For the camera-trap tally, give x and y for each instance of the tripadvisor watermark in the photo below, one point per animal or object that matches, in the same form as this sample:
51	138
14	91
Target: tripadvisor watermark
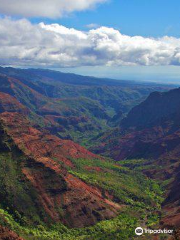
139	231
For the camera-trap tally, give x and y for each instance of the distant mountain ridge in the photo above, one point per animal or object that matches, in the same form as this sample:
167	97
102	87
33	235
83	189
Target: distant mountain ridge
158	108
72	106
71	78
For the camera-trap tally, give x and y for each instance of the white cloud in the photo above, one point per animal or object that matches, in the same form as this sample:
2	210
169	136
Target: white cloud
45	8
53	45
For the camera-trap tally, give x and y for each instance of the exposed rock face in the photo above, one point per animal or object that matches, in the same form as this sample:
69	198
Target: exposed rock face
61	195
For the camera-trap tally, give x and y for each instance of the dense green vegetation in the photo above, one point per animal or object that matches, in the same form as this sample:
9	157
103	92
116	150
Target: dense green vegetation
121	227
129	186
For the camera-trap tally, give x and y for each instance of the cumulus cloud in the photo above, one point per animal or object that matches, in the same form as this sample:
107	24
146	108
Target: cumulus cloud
52	45
45	8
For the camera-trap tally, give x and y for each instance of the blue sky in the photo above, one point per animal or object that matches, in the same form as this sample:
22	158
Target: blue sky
135	39
152	18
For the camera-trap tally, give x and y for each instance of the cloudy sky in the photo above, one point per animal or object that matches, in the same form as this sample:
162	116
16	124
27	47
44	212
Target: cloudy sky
108	38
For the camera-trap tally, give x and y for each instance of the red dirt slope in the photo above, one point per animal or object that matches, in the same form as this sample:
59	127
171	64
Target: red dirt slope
63	196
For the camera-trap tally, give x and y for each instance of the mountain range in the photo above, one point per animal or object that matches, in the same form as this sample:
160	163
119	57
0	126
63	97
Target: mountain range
86	158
